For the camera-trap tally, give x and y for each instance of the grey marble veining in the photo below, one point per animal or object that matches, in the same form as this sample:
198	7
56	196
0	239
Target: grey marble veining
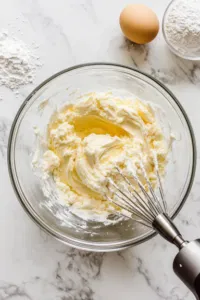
32	264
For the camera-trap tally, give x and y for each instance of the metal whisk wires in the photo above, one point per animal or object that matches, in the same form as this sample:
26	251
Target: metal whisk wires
138	199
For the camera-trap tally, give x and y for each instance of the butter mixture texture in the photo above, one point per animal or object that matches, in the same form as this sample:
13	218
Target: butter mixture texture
87	140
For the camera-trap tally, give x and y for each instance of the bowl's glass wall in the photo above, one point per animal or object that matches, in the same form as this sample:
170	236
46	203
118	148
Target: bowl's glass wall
67	87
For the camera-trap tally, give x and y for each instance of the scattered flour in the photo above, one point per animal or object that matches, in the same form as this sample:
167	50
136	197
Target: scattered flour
18	64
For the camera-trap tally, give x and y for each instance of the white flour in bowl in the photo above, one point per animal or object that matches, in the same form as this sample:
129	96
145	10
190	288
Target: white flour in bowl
182	26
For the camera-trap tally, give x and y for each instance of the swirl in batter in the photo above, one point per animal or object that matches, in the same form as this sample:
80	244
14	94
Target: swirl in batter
88	139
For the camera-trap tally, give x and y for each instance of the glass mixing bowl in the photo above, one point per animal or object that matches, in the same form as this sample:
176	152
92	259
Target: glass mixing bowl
188	52
67	85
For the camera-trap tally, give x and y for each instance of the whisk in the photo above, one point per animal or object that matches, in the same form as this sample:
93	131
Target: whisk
143	204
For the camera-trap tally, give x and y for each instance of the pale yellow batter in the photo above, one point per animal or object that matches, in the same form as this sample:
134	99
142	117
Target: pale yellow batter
88	139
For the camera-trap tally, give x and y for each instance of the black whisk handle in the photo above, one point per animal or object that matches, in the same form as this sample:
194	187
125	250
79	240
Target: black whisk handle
187	266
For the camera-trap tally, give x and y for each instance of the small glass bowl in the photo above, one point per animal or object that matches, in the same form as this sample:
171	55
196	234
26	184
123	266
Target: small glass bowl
69	84
189	55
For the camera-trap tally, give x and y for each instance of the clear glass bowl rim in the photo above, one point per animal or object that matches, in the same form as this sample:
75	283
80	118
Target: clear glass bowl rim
166	40
82	245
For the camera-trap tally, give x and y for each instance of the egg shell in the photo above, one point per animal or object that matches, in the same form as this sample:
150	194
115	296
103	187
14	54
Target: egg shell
139	23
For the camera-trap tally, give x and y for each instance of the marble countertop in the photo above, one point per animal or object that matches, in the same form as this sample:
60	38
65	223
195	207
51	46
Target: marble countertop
32	264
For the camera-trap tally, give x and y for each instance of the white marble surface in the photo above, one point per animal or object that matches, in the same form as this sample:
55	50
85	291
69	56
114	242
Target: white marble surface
34	265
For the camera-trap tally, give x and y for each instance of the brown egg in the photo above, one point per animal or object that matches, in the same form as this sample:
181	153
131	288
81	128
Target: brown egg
139	23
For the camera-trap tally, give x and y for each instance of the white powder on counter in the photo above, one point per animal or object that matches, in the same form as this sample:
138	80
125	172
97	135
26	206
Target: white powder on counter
182	26
18	64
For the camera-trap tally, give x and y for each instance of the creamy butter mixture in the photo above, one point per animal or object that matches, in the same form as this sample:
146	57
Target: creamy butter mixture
88	139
